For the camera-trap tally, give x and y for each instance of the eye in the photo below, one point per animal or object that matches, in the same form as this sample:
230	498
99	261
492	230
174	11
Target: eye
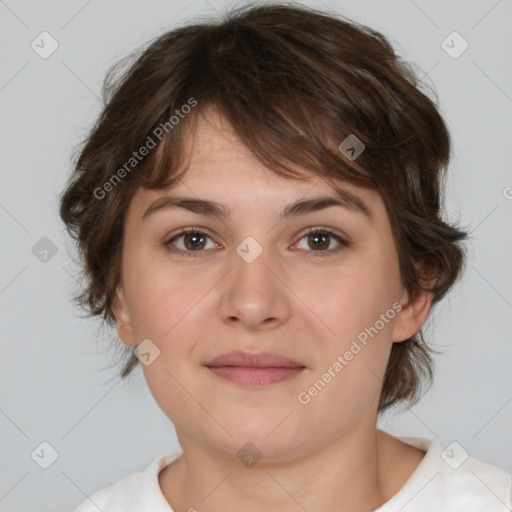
193	241
320	238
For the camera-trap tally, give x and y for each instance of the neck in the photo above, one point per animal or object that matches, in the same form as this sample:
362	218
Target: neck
357	472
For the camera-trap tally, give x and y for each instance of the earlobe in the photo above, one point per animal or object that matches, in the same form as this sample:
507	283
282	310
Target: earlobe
412	316
122	318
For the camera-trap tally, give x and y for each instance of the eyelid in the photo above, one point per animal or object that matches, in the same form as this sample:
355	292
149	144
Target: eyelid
327	229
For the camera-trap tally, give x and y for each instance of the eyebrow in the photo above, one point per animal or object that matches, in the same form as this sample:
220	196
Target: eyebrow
341	198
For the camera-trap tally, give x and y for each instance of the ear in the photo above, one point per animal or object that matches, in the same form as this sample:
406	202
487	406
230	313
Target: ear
415	309
122	317
413	314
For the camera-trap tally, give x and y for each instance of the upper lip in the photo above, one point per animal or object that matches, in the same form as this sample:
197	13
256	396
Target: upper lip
254	360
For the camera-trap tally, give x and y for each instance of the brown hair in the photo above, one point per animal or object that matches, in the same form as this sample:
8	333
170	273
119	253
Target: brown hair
294	83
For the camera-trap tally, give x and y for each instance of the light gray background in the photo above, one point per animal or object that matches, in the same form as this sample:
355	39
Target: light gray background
52	377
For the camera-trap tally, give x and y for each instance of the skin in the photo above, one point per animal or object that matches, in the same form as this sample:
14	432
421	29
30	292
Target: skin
327	455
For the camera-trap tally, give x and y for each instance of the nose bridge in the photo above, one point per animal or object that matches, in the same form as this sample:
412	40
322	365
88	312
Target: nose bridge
252	260
252	293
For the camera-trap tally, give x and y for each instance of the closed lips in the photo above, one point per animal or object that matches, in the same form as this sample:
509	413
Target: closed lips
254	360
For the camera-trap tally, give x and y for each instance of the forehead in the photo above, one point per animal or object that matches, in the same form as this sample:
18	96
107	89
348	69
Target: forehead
218	166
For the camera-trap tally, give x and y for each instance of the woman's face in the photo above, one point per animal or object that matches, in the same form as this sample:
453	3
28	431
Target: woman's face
257	281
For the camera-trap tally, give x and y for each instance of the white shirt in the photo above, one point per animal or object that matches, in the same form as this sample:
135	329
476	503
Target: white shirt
444	481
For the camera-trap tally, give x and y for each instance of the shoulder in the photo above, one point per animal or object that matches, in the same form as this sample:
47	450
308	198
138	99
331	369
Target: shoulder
139	490
450	479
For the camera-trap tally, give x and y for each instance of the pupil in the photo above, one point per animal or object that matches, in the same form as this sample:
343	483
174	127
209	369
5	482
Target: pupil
317	237
196	237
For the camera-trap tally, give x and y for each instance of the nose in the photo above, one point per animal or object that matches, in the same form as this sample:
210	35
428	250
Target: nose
254	293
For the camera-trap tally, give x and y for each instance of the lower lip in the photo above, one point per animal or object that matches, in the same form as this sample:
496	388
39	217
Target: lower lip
250	376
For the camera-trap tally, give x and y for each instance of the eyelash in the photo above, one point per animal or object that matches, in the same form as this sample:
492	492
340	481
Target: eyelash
316	230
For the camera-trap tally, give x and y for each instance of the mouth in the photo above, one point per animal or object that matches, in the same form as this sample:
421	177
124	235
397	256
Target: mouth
247	376
254	369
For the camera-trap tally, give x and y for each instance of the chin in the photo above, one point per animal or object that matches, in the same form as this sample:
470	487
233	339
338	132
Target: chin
268	438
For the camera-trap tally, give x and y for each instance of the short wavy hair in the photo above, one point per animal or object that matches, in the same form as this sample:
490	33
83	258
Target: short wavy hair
294	82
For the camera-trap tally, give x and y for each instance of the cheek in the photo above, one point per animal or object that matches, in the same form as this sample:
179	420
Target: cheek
160	295
350	365
351	298
166	312
356	303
